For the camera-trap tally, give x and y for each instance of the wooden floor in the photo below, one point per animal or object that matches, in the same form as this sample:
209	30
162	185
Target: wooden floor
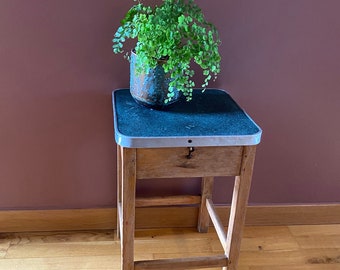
263	248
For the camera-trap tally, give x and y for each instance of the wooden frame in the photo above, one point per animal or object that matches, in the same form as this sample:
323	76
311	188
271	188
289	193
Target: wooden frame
142	163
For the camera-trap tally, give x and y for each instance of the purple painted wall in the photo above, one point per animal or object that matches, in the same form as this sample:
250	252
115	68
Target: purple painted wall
281	62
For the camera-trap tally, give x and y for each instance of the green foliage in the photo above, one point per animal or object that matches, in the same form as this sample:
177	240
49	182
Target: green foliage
176	31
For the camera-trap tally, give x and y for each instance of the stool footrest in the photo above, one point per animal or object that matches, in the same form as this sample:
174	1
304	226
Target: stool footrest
168	200
217	223
183	263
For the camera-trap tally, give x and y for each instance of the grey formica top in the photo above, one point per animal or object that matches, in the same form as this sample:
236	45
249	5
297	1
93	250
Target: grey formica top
212	118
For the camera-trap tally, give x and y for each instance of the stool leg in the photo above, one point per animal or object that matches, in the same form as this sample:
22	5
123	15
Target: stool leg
128	193
119	187
203	215
238	207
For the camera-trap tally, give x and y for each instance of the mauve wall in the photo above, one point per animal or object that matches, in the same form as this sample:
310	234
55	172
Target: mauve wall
281	62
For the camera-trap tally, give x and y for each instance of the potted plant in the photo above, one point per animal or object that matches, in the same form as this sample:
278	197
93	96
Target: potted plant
170	37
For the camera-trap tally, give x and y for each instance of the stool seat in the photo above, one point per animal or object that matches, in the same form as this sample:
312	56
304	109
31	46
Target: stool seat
212	118
210	136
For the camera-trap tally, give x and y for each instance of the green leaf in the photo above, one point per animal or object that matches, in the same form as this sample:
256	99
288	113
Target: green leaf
177	29
181	20
205	72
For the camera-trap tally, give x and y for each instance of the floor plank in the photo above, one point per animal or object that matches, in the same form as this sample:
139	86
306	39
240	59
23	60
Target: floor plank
315	247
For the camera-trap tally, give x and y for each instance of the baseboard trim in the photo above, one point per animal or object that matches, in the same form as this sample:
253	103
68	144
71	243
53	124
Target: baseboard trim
105	218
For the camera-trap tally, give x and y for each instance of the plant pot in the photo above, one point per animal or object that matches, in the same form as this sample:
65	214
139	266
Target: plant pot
151	89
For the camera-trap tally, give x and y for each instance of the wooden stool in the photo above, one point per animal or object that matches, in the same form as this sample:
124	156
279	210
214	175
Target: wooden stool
211	136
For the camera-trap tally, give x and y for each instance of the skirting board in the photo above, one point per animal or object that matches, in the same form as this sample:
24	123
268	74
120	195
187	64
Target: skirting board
105	218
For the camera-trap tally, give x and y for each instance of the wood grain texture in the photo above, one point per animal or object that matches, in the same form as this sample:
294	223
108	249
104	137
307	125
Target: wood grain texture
307	247
218	226
119	188
207	185
168	200
183	263
238	208
162	217
57	220
203	162
128	195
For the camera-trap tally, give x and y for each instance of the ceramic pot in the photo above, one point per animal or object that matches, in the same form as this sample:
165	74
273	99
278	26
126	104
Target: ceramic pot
150	89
